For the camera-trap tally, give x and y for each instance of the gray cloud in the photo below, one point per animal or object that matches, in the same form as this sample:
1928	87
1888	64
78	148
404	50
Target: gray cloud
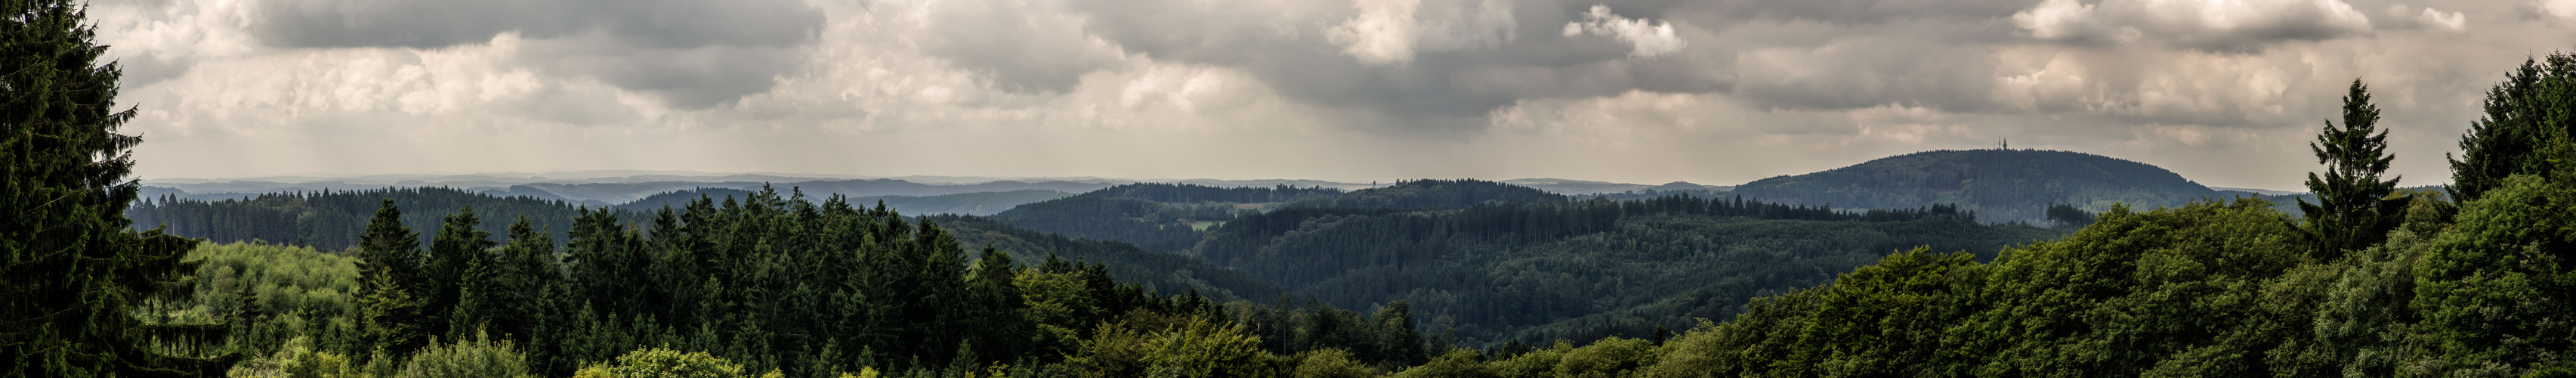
694	54
1021	45
429	24
1383	89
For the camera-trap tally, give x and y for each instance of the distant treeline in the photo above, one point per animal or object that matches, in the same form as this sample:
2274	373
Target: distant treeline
330	220
1194	193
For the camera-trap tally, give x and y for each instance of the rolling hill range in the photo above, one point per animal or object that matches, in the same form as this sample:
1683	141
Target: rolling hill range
1491	262
1484	261
1999	185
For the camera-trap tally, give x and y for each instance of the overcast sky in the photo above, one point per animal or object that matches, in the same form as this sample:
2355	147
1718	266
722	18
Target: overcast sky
2226	92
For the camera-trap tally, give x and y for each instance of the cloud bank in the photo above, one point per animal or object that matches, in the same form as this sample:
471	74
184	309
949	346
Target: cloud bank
1717	92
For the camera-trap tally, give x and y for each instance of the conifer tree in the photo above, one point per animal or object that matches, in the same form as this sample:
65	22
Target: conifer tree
2525	114
2353	209
389	257
71	275
453	258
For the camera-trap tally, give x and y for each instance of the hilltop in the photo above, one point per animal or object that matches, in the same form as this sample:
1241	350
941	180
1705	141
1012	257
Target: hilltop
1999	185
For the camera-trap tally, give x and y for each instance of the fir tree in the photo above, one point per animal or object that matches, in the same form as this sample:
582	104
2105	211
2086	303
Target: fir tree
2353	209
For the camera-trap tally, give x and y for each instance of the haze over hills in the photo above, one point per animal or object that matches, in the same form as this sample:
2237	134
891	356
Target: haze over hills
616	187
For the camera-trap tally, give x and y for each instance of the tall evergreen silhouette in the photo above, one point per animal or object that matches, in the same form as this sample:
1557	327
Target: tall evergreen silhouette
2353	209
72	277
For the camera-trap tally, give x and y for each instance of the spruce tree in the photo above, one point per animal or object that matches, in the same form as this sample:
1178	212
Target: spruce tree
451	268
2353	209
388	259
72	276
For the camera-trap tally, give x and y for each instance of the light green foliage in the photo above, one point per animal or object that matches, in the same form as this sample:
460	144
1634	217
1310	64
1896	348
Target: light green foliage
273	293
1195	347
1058	299
666	363
481	357
1330	363
1458	363
1611	357
1536	363
297	359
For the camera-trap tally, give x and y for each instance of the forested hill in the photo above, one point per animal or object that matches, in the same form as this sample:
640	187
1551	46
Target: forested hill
1999	185
977	203
1170	217
1196	194
1158	217
1433	194
1580	270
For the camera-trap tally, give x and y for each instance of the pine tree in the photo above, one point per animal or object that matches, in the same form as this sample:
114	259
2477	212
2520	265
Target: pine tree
71	275
2353	209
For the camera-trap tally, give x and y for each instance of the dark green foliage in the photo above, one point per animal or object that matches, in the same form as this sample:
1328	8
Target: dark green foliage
2530	110
457	262
72	277
1159	272
1197	194
1579	270
1433	194
1999	185
1153	225
1159	217
389	272
975	203
2354	209
2065	216
2491	290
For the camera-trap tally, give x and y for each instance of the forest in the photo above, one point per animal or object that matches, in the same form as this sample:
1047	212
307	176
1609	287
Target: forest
1427	278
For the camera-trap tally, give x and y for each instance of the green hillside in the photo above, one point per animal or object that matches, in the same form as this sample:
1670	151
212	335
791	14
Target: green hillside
1999	185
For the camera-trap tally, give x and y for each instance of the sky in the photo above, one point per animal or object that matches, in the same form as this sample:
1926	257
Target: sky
2225	92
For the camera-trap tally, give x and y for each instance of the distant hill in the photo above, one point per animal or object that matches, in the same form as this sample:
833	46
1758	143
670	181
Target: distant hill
1433	194
1158	217
977	203
1999	185
1564	186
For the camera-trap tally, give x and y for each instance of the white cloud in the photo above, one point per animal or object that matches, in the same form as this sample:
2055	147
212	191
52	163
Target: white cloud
2565	9
2453	21
2402	16
2217	25
1383	33
1645	38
